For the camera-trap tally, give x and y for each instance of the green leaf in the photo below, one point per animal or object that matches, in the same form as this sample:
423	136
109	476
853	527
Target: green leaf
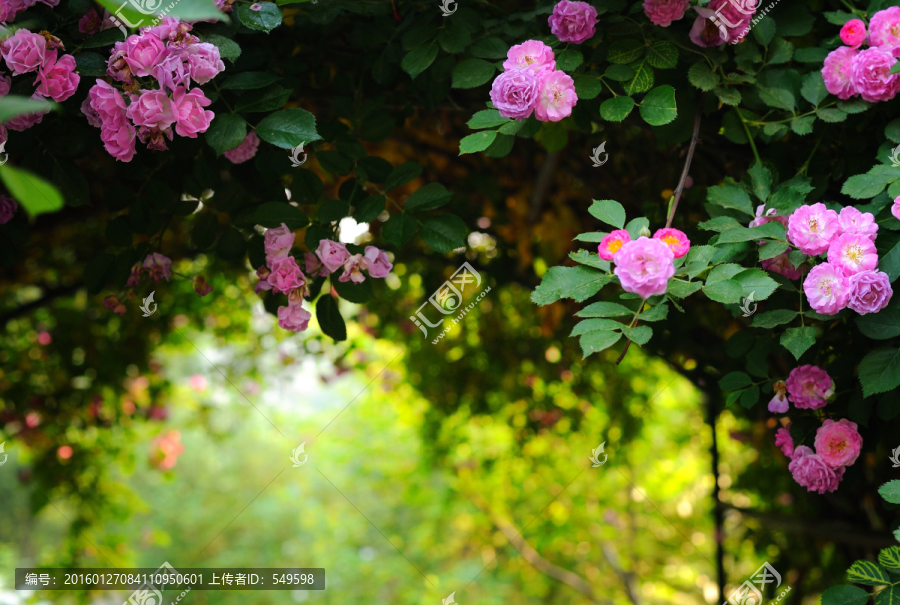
267	18
661	55
487	118
429	197
608	211
399	229
750	396
490	48
728	96
591	259
420	58
853	105
329	318
889	558
273	214
619	73
780	98
596	325
355	293
734	381
657	313
369	209
288	128
729	196
813	89
725	291
879	371
444	233
552	135
107	37
35	194
761	179
578	283
569	60
605	309
333	210
640	335
636	225
866	572
642	81
471	73
264	99
249	80
746	234
228	48
756	282
658	107
97	272
892	130
227	131
501	146
625	51
845	594
880	326
616	109
454	37
588	87
403	174
334	162
701	76
780	51
231	246
720	224
594	342
764	31
15	105
889	596
831	115
478	141
803	126
90	64
770	319
798	340
870	184
890	491
683	289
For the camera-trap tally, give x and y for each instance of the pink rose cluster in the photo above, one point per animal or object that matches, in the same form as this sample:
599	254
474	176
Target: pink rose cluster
850	71
10	9
282	274
664	12
530	83
573	22
837	443
722	21
25	52
645	265
175	59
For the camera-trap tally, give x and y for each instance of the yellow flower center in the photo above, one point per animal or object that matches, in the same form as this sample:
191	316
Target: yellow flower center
826	290
854	253
614	245
529	60
670	240
814	225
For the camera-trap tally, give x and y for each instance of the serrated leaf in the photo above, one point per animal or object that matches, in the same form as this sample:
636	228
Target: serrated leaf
798	340
761	179
728	96
866	572
831	115
444	233
803	126
729	196
890	491
596	325
880	326
608	211
487	118
625	51
642	81
701	76
399	229
471	73
429	197
734	381
329	318
420	58
845	594
605	309
616	109
640	335
879	371
594	342
889	558
813	88
658	107
403	174
578	283
770	319
657	313
662	55
682	289
725	291
476	142
780	98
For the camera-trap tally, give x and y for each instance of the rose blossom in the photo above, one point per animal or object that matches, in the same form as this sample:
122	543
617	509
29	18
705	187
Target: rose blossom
853	33
377	262
764	216
852	253
173	71
531	54
895	208
871	75
557	97
809	387
573	22
191	117
870	291
676	240
204	62
10	8
883	28
293	317
332	254
262	285
8	207
90	23
245	151
663	12
644	266
107	101
515	92
23	51
314	267
116	67
27	120
810	471
612	243
119	140
143	52
157	266
837	71
811	228
852	220
782	265
5	85
784	441
58	80
779	403
113	304
201	287
278	243
827	289
729	15
153	108
838	443
353	269
172	32
286	276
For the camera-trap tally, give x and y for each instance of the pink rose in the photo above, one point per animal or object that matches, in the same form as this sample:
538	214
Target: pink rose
353	269
116	67
286	276
171	31
852	253
154	137
8	207
612	243
144	52
852	220
204	62
895	208
5	85
884	28
201	287
245	151
314	266
153	108
811	228
838	443
722	21
573	22
853	33
90	23
119	140
107	102
58	80
278	243
827	289
663	12
782	265
293	317
263	284
764	216
377	262
779	403
676	240
644	266
531	54
809	387
10	8
556	98
332	254
173	71
190	115
157	267
26	121
870	291
871	75
135	277
23	51
810	471
515	92
837	72
784	441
